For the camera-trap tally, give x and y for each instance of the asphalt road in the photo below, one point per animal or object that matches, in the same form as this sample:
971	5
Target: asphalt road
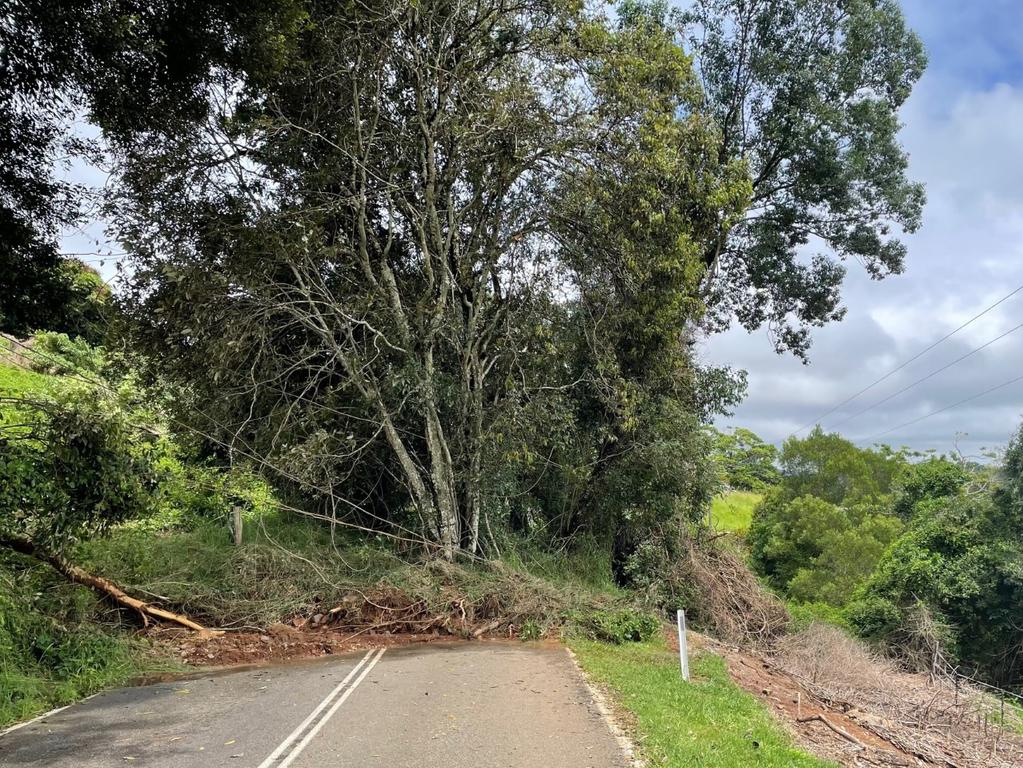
481	705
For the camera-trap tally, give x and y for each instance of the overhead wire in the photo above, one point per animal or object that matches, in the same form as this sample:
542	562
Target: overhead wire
915	357
956	404
930	375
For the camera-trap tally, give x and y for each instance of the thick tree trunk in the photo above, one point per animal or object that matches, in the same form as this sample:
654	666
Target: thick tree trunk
105	587
443	479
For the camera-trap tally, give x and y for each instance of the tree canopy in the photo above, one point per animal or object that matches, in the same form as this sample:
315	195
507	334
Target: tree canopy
440	267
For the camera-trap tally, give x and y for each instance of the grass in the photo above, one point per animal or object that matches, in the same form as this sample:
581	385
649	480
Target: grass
708	722
733	511
18	382
59	643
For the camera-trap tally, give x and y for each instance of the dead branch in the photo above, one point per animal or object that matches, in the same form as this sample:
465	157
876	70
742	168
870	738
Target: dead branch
840	731
99	584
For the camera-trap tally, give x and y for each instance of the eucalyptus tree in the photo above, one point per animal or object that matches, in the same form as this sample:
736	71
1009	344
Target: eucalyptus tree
807	93
359	256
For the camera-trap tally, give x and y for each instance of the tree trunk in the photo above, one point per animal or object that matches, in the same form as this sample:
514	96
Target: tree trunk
105	587
443	479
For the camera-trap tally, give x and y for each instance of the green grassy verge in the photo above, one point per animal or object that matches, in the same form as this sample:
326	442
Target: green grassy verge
733	511
58	643
708	722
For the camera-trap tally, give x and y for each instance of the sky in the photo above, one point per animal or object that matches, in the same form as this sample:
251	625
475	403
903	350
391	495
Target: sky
963	129
964	133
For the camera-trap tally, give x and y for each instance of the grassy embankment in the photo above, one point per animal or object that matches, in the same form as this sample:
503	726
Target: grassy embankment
707	722
57	641
733	511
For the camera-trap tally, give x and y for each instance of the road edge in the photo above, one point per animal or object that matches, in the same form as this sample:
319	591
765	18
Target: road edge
606	711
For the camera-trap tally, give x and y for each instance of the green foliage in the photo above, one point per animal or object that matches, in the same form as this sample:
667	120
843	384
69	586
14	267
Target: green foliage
746	462
620	626
954	579
831	468
935	478
816	551
59	354
733	511
805	614
961	561
78	467
807	94
706	723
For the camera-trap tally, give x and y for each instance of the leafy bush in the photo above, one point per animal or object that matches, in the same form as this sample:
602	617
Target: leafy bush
79	466
959	562
935	478
59	354
623	625
816	551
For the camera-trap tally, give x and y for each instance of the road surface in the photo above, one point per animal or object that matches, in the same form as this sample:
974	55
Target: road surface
481	705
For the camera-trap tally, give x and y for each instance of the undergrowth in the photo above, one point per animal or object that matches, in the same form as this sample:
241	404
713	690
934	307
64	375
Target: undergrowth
708	722
288	567
58	643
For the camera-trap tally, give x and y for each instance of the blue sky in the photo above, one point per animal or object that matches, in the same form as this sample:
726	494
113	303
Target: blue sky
964	132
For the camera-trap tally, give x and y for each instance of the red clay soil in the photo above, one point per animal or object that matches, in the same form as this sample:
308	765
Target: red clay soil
278	643
801	712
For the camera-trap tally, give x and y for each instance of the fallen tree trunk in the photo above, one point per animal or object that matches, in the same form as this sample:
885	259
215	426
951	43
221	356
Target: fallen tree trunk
105	587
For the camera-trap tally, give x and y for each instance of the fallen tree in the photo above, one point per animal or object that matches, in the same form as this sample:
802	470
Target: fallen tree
105	587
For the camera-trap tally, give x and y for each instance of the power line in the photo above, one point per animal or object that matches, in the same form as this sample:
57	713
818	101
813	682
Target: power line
917	356
942	410
930	375
252	454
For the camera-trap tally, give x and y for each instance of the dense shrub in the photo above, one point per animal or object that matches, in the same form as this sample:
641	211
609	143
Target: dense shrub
622	625
76	467
58	353
935	478
961	561
816	551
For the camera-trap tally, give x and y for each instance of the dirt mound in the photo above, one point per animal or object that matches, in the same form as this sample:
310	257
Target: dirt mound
444	606
279	643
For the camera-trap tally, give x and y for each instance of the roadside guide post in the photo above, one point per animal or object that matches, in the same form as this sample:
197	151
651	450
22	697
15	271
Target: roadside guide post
683	651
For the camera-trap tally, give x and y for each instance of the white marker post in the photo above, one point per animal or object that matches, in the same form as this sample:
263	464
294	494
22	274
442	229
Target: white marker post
683	650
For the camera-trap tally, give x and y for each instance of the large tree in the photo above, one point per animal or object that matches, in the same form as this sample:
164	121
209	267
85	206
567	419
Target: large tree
807	93
361	252
397	251
125	64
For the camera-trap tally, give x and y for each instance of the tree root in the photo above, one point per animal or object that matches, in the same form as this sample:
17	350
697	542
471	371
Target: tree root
99	584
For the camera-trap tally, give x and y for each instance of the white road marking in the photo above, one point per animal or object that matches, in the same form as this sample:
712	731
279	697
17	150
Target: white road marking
330	713
312	716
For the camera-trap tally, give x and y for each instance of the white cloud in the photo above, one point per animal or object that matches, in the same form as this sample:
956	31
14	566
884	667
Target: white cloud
967	146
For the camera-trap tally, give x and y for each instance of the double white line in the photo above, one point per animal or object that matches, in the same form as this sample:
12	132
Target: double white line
312	724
